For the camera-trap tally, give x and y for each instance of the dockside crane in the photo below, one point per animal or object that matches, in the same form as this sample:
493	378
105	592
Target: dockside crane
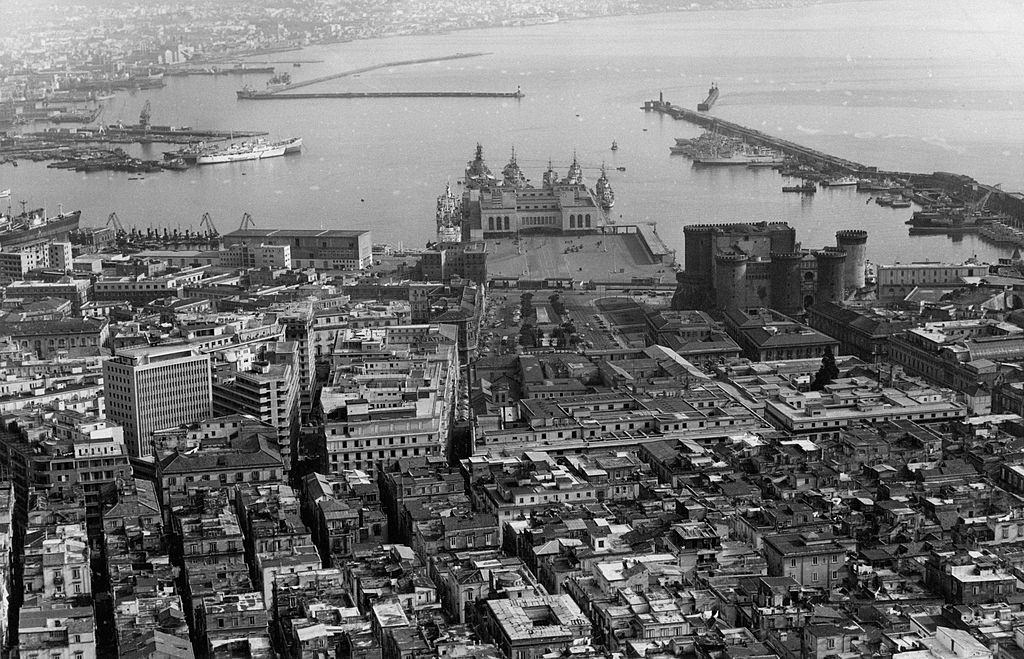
207	223
247	222
144	116
980	206
114	222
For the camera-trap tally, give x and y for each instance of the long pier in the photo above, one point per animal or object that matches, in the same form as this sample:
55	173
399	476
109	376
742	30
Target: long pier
281	97
753	136
956	185
374	67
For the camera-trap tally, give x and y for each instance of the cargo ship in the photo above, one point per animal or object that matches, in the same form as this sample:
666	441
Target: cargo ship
257	150
33	225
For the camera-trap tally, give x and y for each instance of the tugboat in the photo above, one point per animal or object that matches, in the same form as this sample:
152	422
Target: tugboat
808	187
175	164
603	189
615	145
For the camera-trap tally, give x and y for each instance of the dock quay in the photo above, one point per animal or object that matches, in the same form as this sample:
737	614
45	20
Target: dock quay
79	143
263	96
756	137
615	257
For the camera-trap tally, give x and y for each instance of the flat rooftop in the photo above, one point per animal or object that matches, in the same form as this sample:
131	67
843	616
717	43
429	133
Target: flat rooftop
299	233
593	257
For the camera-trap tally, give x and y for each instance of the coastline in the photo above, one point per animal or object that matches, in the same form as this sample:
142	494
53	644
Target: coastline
750	5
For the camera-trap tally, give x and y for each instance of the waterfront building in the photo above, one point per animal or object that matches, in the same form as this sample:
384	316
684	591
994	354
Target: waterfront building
17	261
320	249
897	280
493	208
245	255
152	388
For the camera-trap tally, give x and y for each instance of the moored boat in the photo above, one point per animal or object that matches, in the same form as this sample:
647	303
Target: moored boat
807	187
257	150
839	181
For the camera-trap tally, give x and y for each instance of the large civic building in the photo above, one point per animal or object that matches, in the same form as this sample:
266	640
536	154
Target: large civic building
325	249
492	208
155	388
762	265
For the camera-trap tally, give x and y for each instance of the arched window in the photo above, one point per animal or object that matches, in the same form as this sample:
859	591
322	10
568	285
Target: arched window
572	221
506	223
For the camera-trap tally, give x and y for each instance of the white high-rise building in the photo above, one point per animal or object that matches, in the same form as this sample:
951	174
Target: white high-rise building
154	388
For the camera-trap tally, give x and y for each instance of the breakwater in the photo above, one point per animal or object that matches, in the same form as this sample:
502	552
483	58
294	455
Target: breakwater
273	96
366	69
752	136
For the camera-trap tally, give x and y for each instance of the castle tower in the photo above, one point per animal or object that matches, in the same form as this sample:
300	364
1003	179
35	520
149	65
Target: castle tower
784	276
698	250
831	274
730	283
783	237
855	243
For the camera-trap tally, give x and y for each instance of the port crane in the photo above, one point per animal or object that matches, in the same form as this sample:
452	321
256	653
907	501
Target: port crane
980	206
114	222
144	116
207	222
246	223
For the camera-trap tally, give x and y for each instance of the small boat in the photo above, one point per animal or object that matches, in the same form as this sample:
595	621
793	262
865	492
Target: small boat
615	145
839	181
900	203
621	168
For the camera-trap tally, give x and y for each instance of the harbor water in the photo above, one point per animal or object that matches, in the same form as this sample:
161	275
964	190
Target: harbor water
920	86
